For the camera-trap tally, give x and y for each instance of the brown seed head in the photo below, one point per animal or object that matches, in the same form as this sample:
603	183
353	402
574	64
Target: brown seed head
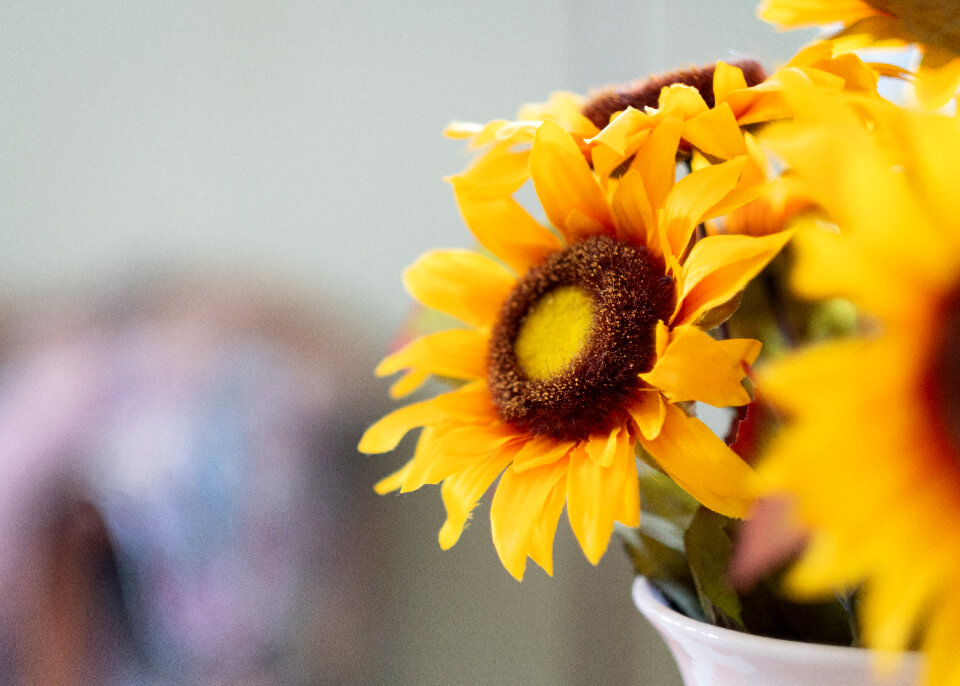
640	94
631	293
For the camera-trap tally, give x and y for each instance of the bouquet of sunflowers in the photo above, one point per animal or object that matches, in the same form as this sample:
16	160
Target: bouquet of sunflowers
784	245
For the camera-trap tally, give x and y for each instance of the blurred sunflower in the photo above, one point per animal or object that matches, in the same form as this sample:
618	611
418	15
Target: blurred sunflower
932	26
872	449
587	340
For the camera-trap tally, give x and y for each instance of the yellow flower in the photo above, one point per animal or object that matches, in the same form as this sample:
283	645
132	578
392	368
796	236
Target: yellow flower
587	340
608	141
872	449
716	105
770	213
932	25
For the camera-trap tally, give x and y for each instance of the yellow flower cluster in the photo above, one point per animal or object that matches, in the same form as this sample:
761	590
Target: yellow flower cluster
585	337
872	453
584	341
932	26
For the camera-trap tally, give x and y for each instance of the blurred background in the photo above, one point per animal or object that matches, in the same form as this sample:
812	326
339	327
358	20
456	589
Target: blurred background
205	207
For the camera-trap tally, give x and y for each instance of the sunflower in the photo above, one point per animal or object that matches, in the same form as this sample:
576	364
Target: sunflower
719	105
583	340
871	452
931	25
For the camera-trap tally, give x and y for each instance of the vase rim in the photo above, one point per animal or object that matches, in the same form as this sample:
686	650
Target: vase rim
652	605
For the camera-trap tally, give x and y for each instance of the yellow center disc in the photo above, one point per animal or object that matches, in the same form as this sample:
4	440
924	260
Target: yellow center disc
554	332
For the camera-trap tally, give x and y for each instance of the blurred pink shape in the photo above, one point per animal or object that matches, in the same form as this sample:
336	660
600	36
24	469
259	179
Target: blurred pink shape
767	540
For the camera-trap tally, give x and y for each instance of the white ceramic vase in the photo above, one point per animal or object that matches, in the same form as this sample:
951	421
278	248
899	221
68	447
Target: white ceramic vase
712	656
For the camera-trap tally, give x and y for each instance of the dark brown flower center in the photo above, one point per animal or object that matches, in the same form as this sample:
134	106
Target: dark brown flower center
944	380
570	388
646	93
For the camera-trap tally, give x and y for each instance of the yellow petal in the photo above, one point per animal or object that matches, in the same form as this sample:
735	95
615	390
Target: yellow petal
896	597
797	13
864	196
568	191
452	450
579	226
828	265
937	80
817	51
390	483
472	402
719	267
738	197
680	100
506	229
693	196
563	107
940	642
702	464
461	491
890	71
541	450
457	354
498	172
628	510
656	160
386	433
517	509
541	546
856	75
824	568
727	79
408	383
602	447
519	133
648	413
480	134
605	161
744	350
593	497
758	104
716	133
609	155
632	212
797	381
619	133
463	129
697	367
461	283
394	481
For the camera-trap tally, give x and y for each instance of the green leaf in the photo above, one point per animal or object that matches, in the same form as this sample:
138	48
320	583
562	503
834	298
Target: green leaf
661	496
656	547
709	549
653	559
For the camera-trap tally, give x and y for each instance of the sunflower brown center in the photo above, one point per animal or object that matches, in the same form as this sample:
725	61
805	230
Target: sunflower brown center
573	336
646	93
945	373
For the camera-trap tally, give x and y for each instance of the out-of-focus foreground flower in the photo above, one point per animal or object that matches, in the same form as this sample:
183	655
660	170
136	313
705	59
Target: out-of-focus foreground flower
933	27
872	448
